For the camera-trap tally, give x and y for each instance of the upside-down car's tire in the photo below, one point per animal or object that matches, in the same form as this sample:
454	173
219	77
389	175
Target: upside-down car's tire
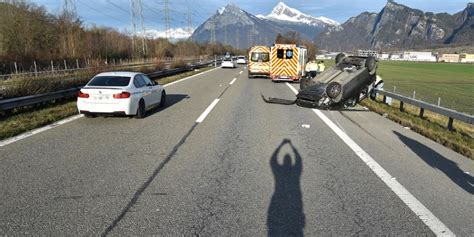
141	111
371	65
340	57
333	89
163	99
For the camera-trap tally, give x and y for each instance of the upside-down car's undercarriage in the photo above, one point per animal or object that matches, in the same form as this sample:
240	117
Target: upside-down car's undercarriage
343	85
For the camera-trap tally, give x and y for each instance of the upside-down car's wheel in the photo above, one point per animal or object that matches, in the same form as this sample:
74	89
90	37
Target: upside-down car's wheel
340	57
371	65
333	90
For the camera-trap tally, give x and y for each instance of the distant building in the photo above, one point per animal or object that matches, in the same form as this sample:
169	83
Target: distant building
368	53
418	56
396	57
466	58
321	57
449	58
384	56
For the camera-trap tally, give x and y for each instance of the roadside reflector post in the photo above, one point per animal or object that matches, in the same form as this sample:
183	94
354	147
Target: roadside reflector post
450	124
65	65
401	106
16	67
215	61
36	69
439	101
414	94
52	66
422	112
77	63
394	89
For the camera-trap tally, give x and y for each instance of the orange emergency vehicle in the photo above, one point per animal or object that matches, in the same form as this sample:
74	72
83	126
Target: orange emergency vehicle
287	62
259	61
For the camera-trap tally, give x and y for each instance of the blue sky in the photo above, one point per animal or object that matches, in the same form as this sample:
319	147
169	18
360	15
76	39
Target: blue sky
115	13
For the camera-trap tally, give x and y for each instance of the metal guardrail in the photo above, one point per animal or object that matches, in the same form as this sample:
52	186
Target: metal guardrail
61	72
9	104
451	114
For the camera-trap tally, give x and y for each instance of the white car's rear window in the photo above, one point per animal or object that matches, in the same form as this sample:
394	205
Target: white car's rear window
109	81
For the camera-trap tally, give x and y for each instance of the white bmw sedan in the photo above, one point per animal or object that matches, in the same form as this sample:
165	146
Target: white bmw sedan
228	63
120	93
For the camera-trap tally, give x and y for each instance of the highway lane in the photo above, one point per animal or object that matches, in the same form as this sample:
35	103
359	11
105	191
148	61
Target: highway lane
440	178
81	174
215	178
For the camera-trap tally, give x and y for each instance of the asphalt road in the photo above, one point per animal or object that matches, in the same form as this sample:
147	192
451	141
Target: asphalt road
247	168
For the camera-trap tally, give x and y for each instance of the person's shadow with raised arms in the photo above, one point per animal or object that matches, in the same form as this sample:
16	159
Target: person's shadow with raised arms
285	213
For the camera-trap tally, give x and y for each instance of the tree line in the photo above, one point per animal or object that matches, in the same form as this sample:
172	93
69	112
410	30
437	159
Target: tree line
28	33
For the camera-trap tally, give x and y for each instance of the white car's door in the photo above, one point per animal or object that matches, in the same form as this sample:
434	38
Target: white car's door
155	90
143	90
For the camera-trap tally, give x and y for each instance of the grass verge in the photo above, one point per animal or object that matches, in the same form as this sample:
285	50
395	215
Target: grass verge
461	140
22	120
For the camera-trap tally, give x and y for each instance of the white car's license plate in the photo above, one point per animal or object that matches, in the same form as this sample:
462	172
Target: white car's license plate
101	97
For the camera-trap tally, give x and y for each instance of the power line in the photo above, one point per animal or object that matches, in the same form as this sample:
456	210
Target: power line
140	6
167	18
190	22
102	12
117	6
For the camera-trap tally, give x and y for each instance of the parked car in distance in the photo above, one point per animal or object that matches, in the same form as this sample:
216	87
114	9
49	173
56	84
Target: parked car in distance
241	60
120	93
228	63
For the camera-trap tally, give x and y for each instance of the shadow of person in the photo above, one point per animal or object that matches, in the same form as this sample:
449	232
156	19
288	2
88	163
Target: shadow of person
285	213
435	160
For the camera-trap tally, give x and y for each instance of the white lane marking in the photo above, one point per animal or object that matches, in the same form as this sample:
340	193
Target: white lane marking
232	82
38	130
207	111
70	119
187	78
241	72
416	206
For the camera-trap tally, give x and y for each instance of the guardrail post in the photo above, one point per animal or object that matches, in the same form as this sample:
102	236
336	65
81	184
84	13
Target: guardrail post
422	112
450	124
215	61
36	69
401	106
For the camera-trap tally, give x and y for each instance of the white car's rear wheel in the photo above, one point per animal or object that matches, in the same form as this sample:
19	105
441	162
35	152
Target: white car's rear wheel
141	111
163	99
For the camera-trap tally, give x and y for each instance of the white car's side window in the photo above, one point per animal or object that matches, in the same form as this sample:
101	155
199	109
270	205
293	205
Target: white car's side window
138	82
147	80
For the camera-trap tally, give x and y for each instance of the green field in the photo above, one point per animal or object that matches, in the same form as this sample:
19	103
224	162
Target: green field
453	83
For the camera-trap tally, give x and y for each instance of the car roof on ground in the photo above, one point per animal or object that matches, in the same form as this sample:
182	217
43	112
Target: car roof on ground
119	73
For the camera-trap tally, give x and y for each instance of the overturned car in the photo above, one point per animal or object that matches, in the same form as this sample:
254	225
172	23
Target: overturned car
343	85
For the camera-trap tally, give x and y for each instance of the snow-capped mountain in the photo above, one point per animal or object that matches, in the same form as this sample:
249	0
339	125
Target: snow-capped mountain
241	29
174	34
282	12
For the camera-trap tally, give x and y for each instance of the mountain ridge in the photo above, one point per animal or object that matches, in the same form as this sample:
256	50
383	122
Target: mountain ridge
249	29
399	26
